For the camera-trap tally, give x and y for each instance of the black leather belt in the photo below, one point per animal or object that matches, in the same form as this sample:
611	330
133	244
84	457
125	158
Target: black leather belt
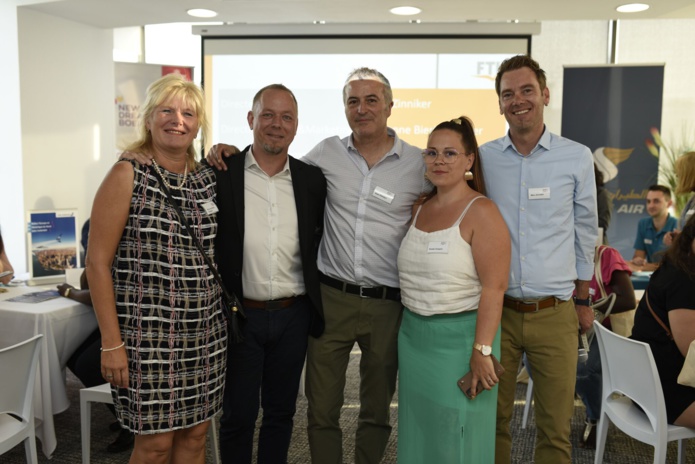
529	306
270	305
380	293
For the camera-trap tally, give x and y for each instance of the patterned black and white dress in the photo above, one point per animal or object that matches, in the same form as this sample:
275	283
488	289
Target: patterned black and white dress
169	307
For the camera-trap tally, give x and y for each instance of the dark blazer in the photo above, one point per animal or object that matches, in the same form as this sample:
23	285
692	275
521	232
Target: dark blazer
309	187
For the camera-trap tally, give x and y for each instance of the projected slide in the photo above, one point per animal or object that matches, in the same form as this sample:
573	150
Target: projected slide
427	89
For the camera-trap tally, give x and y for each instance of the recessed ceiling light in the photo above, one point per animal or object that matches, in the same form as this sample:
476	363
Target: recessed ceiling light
405	10
632	8
201	13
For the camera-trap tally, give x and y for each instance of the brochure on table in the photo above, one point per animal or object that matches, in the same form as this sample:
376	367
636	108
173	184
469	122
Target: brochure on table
52	245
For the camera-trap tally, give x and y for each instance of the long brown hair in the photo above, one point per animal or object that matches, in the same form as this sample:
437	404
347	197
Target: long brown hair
464	127
680	253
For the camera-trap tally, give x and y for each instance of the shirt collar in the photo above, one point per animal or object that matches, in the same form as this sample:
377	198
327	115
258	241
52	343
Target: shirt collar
544	142
397	148
251	163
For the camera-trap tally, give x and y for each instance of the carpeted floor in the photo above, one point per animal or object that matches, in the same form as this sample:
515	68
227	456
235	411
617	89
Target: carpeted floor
620	448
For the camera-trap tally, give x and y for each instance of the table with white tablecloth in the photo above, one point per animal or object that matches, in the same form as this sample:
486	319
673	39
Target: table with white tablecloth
65	324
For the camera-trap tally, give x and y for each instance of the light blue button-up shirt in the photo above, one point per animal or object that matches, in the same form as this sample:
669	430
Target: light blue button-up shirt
548	200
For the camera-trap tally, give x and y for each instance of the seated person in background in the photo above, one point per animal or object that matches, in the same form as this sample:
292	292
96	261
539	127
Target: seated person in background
670	297
651	230
85	363
5	265
611	275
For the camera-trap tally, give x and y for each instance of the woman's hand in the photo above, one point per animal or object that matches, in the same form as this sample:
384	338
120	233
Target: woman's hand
114	367
141	158
483	372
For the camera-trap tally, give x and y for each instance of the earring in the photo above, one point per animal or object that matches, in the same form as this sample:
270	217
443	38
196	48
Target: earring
468	175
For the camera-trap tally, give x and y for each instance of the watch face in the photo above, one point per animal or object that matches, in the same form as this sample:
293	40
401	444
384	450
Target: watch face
486	350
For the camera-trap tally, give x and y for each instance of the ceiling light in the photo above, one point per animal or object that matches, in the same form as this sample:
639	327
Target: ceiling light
201	13
632	8
405	10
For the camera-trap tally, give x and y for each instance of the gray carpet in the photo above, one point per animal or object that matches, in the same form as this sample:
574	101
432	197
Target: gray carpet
620	448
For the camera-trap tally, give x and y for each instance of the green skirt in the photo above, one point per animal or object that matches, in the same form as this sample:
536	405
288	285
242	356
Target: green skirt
437	423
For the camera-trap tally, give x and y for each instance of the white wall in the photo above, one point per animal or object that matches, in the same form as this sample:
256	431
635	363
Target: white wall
671	42
67	98
11	192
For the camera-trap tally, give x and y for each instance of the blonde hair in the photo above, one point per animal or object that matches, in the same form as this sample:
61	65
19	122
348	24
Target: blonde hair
685	172
166	88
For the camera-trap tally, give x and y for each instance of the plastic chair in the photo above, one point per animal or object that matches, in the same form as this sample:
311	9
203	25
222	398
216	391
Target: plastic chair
529	400
16	400
634	381
102	394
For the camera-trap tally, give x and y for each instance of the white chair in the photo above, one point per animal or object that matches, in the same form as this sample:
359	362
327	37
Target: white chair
16	400
529	400
630	375
102	394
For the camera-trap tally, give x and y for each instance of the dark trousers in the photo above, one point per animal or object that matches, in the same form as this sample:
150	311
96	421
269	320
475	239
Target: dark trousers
85	363
264	370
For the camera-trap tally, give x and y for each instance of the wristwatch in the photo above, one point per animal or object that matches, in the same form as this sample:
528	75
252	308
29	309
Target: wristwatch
582	302
486	350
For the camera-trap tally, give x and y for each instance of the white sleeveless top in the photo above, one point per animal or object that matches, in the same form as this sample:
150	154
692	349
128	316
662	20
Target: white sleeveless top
436	270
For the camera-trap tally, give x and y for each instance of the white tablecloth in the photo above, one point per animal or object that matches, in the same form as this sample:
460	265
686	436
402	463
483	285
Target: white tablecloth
65	324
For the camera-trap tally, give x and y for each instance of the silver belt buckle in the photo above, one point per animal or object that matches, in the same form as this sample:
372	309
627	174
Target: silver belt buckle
532	303
361	295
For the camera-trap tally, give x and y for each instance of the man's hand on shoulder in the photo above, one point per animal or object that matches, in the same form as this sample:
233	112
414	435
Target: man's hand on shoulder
218	152
141	158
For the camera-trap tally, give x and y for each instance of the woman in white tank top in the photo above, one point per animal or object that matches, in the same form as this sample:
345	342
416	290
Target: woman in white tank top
453	266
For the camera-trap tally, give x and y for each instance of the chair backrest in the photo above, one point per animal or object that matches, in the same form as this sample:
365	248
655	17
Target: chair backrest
629	368
18	375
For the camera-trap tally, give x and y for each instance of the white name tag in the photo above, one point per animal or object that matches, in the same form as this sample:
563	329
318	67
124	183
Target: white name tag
541	193
210	207
438	247
648	241
384	195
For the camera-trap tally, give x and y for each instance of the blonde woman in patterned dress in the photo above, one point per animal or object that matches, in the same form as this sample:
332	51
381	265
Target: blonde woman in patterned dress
164	337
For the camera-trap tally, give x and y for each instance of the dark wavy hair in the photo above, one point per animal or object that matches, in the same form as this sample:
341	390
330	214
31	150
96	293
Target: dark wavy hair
680	253
464	127
2	245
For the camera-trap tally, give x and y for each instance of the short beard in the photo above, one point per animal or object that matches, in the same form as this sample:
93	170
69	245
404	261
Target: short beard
273	150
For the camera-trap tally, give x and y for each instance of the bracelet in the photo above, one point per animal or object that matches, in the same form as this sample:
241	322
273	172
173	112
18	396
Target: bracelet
112	349
67	293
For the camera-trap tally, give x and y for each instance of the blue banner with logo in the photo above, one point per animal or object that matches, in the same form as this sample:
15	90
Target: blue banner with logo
612	110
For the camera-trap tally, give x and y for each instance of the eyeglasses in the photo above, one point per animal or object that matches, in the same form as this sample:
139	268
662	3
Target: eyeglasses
448	156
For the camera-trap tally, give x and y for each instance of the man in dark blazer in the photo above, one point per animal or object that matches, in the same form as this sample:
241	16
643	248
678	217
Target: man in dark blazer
270	221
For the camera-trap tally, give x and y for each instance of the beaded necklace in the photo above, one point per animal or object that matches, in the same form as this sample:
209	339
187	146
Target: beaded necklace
166	182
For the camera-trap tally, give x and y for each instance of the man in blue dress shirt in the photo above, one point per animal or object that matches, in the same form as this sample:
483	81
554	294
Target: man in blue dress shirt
545	189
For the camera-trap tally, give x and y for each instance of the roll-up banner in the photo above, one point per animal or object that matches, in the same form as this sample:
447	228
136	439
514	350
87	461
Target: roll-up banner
612	109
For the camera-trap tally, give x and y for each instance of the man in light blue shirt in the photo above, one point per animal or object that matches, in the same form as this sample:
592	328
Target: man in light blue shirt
545	189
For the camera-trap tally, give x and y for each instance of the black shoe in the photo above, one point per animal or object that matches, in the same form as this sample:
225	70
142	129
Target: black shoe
115	426
589	436
123	442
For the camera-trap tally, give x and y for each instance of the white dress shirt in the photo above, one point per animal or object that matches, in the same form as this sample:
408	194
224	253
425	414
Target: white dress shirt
272	263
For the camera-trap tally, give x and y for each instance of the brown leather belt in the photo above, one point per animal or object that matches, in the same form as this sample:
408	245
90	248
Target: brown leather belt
529	306
271	305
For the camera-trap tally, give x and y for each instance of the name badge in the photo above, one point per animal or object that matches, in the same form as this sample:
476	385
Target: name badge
438	247
384	195
540	193
648	241
210	207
